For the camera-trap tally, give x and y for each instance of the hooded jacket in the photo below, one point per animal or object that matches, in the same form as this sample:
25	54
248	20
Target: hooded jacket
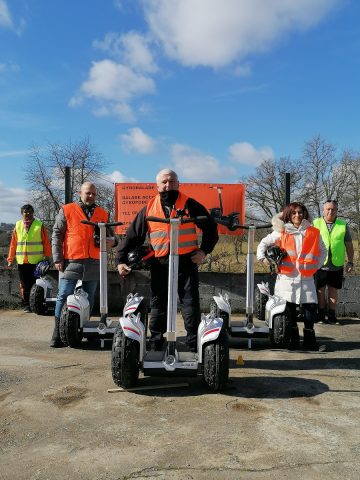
292	286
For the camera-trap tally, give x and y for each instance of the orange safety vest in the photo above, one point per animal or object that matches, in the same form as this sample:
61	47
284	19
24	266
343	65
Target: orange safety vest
79	238
309	256
160	232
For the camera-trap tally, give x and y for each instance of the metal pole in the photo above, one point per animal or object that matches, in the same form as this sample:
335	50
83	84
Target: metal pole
287	189
68	196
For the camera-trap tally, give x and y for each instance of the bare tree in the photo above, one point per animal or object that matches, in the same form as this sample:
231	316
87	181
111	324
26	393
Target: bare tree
45	174
350	204
323	176
265	189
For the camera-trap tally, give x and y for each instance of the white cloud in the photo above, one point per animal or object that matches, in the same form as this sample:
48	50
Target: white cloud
11	200
131	49
14	153
115	82
243	70
113	86
216	33
5	16
9	67
121	110
137	141
246	154
6	20
195	166
117	177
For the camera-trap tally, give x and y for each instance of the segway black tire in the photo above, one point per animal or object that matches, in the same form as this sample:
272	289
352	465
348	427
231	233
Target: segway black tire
280	334
216	362
36	300
70	331
124	360
260	303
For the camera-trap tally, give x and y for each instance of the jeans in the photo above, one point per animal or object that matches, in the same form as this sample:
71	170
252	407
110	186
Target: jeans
67	287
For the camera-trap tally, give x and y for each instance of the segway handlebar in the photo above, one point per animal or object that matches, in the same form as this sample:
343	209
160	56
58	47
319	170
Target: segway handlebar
255	227
201	218
95	224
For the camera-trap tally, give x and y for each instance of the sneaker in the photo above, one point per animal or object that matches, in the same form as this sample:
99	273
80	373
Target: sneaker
27	309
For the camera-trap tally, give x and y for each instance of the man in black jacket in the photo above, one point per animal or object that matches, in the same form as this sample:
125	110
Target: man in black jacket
169	199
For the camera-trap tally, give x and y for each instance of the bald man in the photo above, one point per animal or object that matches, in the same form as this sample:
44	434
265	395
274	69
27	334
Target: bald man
76	251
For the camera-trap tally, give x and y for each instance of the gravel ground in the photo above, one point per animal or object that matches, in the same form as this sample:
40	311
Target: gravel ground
284	415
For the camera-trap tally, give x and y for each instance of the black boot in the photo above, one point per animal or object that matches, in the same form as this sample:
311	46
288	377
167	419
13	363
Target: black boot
332	317
294	339
310	342
55	339
320	318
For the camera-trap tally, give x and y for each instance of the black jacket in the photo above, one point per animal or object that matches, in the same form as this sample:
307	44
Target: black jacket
136	233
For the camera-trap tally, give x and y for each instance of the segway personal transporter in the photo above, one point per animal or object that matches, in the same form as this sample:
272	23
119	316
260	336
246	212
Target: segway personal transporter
75	323
129	352
276	325
41	293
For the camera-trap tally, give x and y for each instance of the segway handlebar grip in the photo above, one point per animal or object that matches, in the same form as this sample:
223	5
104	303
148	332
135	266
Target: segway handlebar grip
158	219
257	227
94	224
183	220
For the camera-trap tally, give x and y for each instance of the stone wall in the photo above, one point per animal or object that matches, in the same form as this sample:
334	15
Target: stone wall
210	284
232	283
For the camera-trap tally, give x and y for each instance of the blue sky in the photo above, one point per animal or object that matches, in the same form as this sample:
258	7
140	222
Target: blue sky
207	87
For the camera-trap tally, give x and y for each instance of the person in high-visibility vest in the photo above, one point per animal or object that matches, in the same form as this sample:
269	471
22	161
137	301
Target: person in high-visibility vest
305	254
30	245
76	250
164	205
337	238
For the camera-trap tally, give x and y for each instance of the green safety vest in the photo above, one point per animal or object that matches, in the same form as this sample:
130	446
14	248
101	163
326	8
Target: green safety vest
29	243
333	240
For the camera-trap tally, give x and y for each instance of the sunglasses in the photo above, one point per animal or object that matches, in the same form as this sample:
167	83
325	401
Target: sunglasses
330	200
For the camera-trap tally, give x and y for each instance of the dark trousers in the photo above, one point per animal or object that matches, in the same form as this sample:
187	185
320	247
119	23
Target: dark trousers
188	291
27	280
309	311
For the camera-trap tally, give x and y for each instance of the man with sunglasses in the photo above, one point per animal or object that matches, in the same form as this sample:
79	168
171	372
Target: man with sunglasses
337	238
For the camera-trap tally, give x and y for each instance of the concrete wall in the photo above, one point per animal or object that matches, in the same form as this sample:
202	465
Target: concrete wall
232	283
210	284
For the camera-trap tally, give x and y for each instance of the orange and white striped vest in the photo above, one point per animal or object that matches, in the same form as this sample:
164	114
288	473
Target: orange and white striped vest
160	232
309	256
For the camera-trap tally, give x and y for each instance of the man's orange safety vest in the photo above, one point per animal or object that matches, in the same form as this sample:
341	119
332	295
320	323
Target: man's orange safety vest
309	256
160	232
79	238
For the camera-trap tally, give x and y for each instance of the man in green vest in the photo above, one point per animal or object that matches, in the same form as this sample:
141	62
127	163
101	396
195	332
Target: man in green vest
337	238
30	245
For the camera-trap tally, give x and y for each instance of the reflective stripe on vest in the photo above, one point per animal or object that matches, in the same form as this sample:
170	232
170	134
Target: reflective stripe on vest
29	242
79	238
309	256
159	233
334	240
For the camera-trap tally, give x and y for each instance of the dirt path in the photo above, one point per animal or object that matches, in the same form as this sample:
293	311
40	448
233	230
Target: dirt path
285	415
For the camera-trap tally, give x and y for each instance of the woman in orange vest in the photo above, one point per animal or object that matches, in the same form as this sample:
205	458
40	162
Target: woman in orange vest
306	253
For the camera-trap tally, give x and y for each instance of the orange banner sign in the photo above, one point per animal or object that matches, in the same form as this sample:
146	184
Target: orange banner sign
226	198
